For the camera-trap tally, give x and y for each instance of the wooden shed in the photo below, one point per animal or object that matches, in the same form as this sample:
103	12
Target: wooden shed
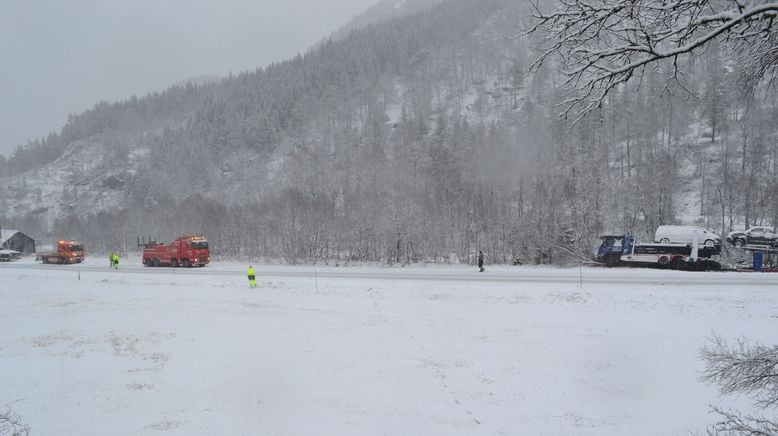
17	241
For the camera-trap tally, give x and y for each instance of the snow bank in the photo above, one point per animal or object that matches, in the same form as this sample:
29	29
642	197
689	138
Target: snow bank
92	351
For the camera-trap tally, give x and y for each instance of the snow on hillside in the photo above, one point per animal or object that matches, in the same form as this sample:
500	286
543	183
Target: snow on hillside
382	11
87	350
87	177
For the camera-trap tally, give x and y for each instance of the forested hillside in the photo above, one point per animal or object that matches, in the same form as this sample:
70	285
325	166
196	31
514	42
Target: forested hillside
416	138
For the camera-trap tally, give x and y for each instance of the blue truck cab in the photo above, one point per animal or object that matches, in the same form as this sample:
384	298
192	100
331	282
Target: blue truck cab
613	247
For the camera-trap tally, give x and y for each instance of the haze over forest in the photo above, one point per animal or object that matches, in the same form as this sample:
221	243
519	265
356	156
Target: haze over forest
63	57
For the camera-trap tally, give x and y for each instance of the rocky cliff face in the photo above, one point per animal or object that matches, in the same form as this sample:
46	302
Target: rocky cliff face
87	177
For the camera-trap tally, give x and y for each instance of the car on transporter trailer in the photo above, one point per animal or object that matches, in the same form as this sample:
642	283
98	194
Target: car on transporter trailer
687	235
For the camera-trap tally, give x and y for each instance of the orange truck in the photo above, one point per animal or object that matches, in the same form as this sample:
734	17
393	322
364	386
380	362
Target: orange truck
67	252
185	251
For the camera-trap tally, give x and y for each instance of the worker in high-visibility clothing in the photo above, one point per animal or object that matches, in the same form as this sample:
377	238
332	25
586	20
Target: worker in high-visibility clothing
115	258
110	259
252	278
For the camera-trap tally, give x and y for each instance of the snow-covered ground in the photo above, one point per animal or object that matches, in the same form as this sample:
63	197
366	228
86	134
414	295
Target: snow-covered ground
445	350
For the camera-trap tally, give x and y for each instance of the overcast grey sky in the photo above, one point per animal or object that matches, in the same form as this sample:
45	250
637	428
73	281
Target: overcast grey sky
59	57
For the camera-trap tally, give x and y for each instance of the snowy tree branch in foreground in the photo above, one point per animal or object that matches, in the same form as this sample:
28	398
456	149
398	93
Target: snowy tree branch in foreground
11	425
604	43
735	423
743	368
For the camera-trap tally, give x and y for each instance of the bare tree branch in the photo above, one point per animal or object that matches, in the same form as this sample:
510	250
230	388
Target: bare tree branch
743	368
601	43
11	425
736	424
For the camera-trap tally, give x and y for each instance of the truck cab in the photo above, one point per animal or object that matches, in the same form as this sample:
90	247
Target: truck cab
185	251
612	248
72	249
67	252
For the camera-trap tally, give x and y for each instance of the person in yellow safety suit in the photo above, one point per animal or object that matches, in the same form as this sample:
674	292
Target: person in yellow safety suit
252	278
110	258
115	258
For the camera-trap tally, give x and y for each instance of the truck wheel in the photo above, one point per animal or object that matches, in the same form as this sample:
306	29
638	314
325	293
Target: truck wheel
677	264
174	262
186	263
612	259
664	241
739	243
155	262
664	260
709	243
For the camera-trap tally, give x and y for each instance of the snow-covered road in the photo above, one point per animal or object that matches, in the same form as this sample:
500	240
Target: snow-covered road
368	350
585	275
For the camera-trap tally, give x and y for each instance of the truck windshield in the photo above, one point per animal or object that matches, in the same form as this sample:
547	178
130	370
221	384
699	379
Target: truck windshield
200	245
609	241
76	248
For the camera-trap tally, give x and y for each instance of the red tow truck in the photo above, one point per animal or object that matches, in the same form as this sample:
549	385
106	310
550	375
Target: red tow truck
185	251
67	252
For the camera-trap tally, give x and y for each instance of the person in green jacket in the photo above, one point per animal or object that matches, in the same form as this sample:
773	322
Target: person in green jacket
252	278
110	259
115	258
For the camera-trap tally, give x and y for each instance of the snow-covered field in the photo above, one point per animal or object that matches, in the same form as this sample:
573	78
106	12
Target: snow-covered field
89	351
